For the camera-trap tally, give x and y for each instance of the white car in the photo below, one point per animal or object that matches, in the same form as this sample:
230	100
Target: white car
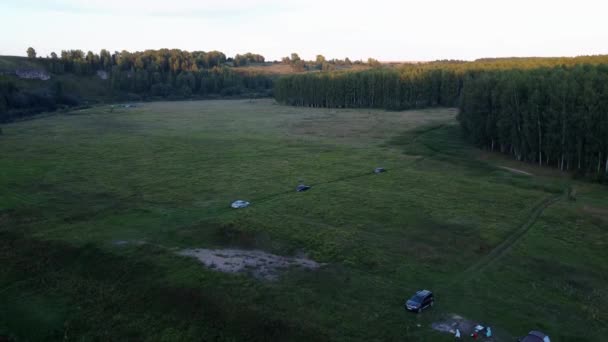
240	204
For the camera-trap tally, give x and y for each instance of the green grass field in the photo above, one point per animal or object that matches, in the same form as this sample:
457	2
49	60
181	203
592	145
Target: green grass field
504	249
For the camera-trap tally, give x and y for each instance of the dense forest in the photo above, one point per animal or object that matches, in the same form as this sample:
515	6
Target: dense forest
551	116
550	111
165	72
16	102
144	75
149	74
377	88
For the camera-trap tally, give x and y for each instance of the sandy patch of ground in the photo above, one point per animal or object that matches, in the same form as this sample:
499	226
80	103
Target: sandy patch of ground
600	213
521	172
364	125
453	322
128	242
466	327
259	264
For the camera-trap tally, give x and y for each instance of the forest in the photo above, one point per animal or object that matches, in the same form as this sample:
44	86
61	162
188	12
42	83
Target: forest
549	111
17	102
145	75
167	74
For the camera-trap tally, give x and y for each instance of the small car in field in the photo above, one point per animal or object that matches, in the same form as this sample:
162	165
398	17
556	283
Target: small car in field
420	301
302	188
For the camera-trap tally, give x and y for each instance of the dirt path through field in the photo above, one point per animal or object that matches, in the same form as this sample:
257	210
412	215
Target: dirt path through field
500	250
449	323
521	172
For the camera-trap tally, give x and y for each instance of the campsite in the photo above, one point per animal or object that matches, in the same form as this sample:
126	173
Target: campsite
102	207
270	170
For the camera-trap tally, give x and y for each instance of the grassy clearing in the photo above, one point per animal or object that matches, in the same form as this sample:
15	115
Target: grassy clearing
286	69
89	87
10	63
72	186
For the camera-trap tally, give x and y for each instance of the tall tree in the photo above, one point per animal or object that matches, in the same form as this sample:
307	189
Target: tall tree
31	53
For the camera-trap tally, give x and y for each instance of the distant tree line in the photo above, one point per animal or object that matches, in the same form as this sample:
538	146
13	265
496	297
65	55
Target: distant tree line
215	81
322	64
162	61
376	88
247	59
166	72
136	75
550	111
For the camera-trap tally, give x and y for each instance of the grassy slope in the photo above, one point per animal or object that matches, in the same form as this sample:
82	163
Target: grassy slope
286	69
15	62
73	185
90	88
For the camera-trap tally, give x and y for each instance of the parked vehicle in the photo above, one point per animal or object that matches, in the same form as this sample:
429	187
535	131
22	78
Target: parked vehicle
535	336
420	301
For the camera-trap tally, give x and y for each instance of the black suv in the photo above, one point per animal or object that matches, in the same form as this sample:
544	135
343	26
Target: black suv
421	300
535	336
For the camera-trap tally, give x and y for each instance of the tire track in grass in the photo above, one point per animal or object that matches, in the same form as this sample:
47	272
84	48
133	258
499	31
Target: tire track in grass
219	211
505	246
279	194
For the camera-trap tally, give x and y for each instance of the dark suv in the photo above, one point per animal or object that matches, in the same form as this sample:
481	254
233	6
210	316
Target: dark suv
535	336
421	300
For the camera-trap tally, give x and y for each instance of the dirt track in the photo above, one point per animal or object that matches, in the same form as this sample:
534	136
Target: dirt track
521	172
500	250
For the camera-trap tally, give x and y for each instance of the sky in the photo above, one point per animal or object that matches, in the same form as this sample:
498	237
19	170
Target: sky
403	30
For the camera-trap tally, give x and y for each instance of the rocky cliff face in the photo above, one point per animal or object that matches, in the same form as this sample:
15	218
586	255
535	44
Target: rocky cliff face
102	74
33	74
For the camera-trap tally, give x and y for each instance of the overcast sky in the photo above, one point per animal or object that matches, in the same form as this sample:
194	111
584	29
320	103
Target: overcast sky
383	29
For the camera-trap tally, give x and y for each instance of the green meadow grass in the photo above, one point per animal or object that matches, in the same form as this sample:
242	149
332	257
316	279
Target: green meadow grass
73	187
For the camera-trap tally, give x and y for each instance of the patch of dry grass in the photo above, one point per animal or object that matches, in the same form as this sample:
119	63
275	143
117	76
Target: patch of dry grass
286	69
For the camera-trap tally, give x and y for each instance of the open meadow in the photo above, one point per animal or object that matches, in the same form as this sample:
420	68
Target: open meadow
96	206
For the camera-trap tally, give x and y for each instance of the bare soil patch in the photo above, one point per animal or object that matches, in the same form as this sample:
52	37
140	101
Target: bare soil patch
286	69
128	242
364	125
600	213
504	161
466	327
257	263
453	322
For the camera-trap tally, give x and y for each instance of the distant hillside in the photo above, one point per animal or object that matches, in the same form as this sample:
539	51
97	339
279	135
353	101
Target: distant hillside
89	87
8	63
32	85
29	86
276	68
